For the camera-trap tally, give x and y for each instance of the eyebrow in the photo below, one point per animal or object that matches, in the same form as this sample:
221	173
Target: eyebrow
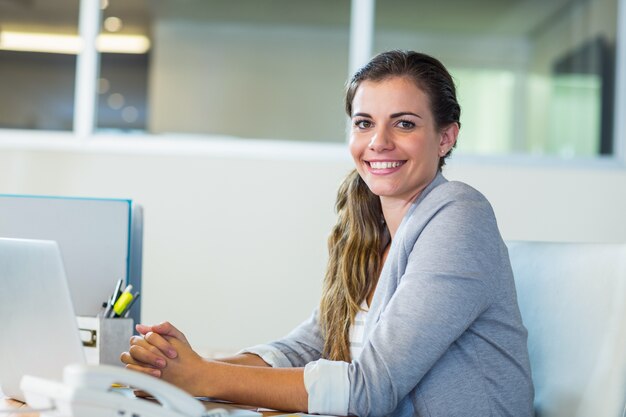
393	116
405	113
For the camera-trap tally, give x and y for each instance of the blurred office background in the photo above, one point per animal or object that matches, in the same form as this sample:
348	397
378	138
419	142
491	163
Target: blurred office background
224	119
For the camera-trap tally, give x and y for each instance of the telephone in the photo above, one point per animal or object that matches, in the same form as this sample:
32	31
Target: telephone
86	392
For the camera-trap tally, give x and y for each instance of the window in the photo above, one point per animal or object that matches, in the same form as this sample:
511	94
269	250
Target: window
532	78
38	41
270	69
124	66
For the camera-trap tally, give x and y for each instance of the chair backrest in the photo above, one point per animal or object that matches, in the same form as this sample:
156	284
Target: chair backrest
572	297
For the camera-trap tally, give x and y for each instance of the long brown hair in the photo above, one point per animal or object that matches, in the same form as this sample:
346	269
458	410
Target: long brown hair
355	257
356	242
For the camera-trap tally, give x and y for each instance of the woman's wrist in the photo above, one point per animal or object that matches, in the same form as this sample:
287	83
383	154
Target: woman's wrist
202	379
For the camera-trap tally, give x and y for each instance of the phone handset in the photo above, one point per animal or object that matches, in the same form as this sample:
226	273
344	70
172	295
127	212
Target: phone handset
101	377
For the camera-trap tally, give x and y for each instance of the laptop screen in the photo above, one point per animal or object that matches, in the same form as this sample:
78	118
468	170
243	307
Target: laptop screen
37	322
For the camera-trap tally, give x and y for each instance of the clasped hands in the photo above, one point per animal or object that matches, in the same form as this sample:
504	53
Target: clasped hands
164	352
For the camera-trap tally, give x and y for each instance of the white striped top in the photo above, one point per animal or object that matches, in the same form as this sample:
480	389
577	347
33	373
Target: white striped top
357	331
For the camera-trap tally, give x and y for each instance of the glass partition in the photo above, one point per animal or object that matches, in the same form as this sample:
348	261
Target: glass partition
271	70
124	65
38	46
532	78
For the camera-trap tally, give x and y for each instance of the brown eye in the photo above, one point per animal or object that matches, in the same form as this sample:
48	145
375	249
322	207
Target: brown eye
405	124
362	124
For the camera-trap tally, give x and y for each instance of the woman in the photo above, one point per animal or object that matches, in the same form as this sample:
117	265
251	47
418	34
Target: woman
418	314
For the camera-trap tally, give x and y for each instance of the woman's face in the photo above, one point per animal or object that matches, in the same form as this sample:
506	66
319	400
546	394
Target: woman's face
393	138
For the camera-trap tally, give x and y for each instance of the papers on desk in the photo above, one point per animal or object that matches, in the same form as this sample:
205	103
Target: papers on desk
247	411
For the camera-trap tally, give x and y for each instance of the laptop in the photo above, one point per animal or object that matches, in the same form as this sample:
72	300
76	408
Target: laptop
39	335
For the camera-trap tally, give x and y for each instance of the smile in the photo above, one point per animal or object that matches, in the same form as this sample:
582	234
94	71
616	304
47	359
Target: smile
384	164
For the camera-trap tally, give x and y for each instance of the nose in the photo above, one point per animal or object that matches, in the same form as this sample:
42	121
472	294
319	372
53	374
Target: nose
381	141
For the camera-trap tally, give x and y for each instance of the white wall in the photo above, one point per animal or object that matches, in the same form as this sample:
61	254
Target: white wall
248	80
235	231
234	246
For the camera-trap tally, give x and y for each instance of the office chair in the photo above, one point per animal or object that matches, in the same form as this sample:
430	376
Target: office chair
572	297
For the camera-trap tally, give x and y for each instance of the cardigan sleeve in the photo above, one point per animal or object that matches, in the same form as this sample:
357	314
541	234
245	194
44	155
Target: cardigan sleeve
444	288
326	382
302	345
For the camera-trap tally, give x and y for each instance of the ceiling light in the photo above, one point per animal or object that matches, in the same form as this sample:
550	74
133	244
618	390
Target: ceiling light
113	24
71	44
40	42
123	44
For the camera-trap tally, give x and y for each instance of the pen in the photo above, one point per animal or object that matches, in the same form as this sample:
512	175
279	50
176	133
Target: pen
127	311
123	301
113	298
118	290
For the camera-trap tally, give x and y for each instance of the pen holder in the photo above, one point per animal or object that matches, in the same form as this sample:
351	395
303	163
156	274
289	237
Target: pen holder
104	339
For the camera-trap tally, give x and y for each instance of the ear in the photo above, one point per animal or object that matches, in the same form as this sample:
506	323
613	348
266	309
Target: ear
447	137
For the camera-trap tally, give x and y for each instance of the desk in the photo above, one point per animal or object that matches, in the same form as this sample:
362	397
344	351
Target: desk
8	403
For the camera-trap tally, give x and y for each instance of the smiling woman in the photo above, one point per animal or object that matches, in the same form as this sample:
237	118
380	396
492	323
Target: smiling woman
418	314
394	132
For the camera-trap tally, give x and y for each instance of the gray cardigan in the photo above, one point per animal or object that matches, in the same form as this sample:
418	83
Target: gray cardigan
444	336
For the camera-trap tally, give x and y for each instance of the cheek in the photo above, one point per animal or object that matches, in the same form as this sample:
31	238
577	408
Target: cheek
431	147
355	150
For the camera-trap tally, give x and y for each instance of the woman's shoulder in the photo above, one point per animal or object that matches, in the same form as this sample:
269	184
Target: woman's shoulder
452	206
449	207
457	190
453	214
454	193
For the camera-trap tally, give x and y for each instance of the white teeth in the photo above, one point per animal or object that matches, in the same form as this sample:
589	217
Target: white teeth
384	165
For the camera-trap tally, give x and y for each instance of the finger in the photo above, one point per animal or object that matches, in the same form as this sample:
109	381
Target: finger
163	350
159	342
155	346
147	357
176	343
167	329
140	341
127	358
144	370
143	328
